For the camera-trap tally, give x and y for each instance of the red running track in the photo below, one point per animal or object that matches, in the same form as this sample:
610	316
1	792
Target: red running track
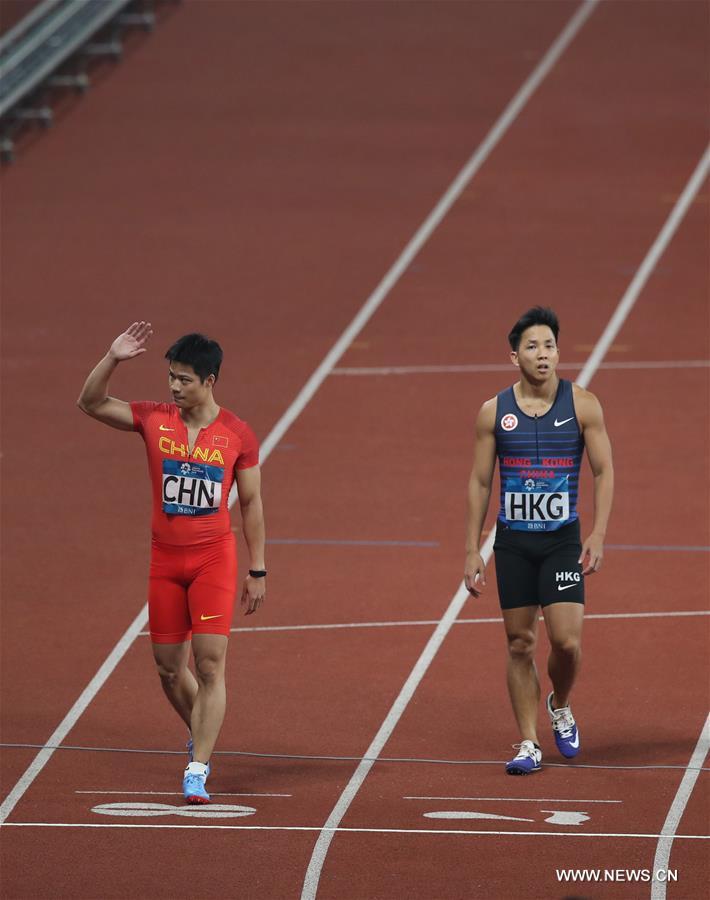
268	221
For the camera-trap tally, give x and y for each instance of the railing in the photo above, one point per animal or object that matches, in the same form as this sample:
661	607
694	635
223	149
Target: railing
36	48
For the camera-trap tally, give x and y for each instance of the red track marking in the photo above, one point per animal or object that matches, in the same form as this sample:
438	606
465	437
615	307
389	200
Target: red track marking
364	672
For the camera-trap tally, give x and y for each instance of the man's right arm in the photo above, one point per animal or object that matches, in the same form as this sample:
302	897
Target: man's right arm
94	399
479	492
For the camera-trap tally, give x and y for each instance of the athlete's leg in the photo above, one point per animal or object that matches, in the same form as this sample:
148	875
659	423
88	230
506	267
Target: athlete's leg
176	679
517	574
523	684
211	602
561	592
169	619
210	652
564	628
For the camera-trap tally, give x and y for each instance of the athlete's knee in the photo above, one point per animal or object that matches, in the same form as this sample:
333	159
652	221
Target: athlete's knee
521	647
169	673
566	645
209	669
168	664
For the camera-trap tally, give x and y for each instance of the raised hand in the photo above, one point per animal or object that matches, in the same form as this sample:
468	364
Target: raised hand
132	342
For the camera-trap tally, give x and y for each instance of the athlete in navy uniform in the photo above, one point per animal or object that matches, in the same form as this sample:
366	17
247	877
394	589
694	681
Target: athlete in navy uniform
538	429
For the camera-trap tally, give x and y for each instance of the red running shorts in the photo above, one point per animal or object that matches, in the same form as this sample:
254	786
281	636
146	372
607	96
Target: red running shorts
191	589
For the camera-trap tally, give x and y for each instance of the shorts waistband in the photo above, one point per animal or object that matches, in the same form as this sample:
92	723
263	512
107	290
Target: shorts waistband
568	528
201	545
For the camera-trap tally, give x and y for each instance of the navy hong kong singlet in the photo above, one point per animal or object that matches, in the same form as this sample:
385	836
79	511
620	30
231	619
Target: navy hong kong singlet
539	459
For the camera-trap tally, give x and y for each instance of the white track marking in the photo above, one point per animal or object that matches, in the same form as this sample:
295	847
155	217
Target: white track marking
68	722
647	615
463	814
156	810
647	266
482	621
172	794
315	866
514	799
660	548
465	369
675	813
414	831
671	614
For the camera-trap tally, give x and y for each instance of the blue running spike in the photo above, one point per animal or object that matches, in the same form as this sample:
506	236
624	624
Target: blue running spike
193	788
529	759
564	728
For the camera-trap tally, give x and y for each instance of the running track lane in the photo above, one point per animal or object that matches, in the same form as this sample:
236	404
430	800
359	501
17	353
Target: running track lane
267	226
285	238
93	256
677	485
427	505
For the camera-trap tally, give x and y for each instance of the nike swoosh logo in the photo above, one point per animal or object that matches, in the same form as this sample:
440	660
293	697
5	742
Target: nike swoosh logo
566	587
164	428
575	742
204	618
563	422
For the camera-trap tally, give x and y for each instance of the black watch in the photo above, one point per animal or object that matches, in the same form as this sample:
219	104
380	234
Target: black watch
257	573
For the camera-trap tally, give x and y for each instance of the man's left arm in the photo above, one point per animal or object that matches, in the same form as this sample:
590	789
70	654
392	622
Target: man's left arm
598	446
249	488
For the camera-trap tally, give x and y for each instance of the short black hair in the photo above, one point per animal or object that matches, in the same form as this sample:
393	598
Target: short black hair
538	315
198	351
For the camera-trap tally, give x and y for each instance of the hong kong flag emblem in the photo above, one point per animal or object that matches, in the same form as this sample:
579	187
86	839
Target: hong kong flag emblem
219	441
509	422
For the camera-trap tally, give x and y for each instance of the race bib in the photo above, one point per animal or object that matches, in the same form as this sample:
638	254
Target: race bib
191	489
531	503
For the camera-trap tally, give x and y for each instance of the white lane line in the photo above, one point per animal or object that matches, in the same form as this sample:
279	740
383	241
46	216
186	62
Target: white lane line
675	813
341	542
671	614
68	722
649	615
482	621
174	794
414	831
465	369
315	866
660	548
515	799
647	266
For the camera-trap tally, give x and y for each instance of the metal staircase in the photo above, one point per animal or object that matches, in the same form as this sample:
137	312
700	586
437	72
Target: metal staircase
52	50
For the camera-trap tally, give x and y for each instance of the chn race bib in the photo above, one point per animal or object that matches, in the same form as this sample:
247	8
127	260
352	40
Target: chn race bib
532	503
191	489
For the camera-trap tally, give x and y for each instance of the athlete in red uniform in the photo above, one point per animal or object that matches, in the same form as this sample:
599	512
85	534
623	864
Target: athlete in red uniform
196	450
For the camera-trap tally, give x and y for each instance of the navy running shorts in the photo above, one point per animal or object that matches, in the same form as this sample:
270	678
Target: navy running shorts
538	568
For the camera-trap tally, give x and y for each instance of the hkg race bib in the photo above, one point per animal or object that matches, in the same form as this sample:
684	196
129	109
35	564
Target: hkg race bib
191	489
531	503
